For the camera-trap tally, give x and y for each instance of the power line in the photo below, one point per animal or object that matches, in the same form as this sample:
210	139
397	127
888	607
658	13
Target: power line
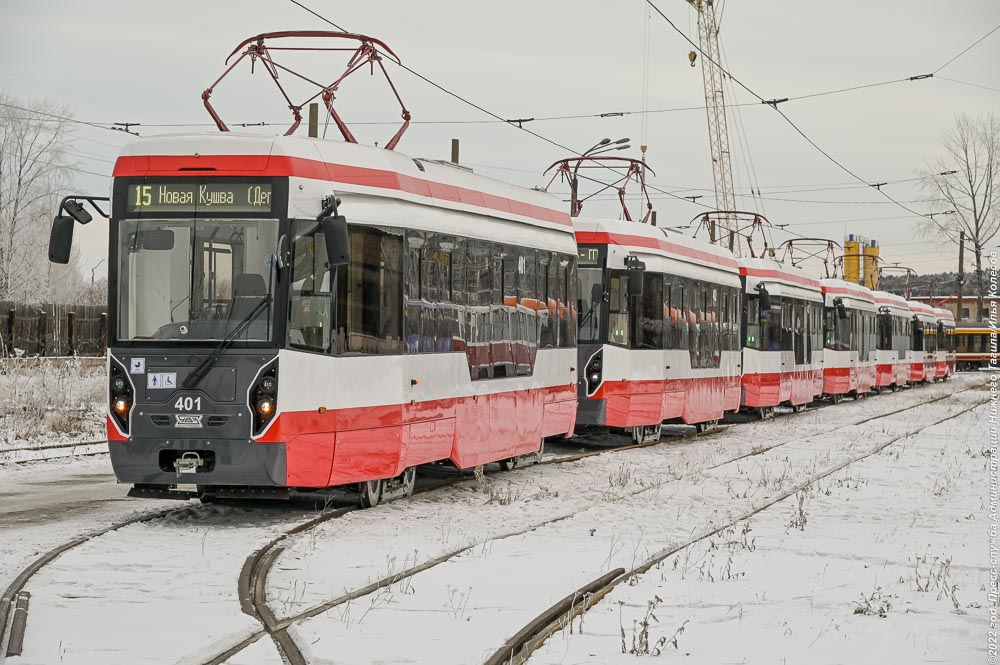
774	105
59	117
974	85
518	124
967	49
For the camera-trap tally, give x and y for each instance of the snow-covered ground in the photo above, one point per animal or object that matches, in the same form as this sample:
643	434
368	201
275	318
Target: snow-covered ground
45	401
781	583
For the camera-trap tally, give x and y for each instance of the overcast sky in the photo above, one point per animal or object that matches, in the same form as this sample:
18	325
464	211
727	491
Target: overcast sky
118	61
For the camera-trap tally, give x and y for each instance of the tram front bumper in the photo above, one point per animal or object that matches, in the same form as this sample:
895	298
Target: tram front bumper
199	462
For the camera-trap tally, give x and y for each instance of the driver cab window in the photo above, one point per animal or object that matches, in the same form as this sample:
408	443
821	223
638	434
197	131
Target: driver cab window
311	297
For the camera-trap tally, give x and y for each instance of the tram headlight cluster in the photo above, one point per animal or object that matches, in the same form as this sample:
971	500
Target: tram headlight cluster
593	372
120	396
264	399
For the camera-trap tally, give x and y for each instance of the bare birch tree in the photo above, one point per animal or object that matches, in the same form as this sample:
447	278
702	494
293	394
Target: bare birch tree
33	173
966	180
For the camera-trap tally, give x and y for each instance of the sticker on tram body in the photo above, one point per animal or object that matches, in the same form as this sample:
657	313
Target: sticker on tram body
138	366
161	380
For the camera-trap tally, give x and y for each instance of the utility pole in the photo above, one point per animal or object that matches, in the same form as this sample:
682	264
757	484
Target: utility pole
961	274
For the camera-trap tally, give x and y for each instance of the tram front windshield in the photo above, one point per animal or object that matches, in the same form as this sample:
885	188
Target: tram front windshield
194	280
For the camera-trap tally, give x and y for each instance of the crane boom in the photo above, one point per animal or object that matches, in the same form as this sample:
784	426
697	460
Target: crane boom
718	129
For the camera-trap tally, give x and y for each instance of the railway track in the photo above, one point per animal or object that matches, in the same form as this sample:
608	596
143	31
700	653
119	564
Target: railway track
253	577
519	647
25	454
15	601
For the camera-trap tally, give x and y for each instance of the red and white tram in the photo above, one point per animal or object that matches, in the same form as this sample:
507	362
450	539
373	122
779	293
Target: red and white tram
923	347
848	356
782	336
944	361
892	366
659	328
242	364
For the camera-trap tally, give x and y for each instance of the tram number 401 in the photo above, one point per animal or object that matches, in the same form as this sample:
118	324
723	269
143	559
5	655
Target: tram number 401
188	404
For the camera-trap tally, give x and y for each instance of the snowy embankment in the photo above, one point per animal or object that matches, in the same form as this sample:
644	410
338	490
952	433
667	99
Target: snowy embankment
50	401
881	562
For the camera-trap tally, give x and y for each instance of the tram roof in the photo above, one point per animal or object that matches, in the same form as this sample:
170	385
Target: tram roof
650	239
351	167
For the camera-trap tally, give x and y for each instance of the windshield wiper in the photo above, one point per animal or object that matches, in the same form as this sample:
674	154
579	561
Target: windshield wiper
192	379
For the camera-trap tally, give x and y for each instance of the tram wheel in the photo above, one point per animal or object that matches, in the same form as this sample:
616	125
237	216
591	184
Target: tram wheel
409	479
836	398
370	493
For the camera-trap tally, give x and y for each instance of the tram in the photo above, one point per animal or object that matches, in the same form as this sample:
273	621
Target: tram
971	341
299	313
892	367
850	339
658	328
782	336
945	360
924	343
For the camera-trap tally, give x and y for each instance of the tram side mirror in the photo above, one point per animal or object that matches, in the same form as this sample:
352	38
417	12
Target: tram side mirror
338	241
596	293
156	239
61	239
765	298
636	271
841	310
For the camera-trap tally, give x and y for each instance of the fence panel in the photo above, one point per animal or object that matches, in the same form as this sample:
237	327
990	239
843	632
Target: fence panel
52	329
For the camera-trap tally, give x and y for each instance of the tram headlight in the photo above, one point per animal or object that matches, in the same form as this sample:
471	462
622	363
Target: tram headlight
120	396
593	372
264	398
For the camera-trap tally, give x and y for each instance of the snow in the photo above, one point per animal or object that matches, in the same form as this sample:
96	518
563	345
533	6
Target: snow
514	543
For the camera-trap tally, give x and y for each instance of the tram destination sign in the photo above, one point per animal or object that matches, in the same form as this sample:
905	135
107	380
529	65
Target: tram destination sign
199	197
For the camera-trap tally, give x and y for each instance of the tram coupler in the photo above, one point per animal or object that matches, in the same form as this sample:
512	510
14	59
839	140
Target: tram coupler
189	462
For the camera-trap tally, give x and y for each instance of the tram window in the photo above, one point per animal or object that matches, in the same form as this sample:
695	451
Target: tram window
650	332
310	300
669	316
712	349
568	291
678	314
547	330
618	310
480	295
369	294
772	319
591	313
754	339
798	331
411	307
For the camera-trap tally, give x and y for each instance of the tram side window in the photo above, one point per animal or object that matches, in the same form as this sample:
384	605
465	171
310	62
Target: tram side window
547	316
369	294
479	276
650	333
310	300
799	330
772	321
678	295
568	316
618	312
753	340
838	332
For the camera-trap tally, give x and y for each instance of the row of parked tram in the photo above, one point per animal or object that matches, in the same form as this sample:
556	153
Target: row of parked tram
748	334
300	313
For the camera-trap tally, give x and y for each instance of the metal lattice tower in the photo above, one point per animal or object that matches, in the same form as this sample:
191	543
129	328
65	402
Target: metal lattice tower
718	129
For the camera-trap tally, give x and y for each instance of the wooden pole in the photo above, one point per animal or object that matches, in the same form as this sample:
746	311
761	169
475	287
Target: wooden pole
961	275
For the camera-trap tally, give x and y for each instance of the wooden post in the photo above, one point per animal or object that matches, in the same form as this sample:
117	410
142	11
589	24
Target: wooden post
314	120
43	319
104	333
71	332
454	151
11	317
961	275
652	218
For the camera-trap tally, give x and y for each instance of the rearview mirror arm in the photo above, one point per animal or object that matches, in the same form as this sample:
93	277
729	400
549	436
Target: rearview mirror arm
92	200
